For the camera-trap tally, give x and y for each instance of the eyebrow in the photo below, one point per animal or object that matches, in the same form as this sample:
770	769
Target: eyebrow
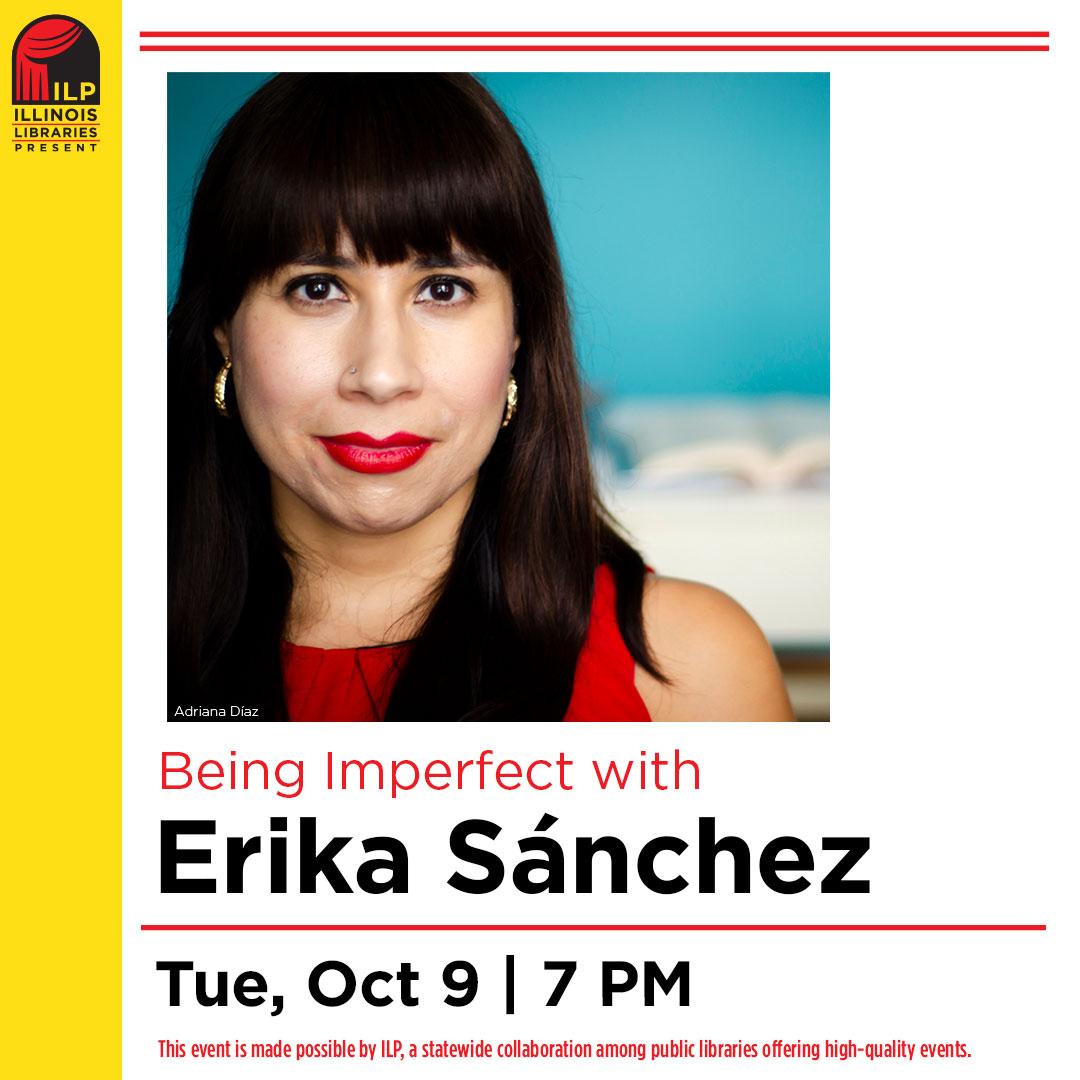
452	260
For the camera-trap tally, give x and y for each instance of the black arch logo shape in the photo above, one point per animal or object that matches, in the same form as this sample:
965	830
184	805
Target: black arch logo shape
56	52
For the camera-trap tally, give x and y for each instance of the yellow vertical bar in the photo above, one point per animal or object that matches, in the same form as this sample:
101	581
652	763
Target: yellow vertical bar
61	565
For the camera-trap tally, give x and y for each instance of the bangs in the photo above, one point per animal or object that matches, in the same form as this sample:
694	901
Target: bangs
401	165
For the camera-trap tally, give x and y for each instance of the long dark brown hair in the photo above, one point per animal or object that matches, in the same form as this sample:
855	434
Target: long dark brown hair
404	165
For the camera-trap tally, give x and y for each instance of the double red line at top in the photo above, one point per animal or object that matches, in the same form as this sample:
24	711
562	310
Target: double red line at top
604	33
589	41
593	927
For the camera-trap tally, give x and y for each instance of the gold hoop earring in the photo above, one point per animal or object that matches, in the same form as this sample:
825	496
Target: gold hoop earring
219	386
511	401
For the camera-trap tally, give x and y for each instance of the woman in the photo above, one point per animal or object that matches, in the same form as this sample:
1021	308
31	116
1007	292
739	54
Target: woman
380	498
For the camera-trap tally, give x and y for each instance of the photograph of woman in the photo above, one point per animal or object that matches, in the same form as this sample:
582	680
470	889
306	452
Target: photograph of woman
381	504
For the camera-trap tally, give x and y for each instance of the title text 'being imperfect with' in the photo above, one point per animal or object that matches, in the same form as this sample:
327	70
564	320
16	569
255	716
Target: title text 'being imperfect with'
651	770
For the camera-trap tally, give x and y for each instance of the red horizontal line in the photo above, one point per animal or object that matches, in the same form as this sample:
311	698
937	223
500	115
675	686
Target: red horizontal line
601	33
55	140
55	123
665	927
594	48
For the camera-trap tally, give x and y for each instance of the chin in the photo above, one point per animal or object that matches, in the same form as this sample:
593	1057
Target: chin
381	525
376	507
381	520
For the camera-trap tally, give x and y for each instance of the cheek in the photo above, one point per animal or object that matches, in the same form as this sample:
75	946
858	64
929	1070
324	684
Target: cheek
475	380
275	377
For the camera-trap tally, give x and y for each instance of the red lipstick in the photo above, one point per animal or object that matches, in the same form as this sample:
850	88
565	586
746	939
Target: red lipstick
364	453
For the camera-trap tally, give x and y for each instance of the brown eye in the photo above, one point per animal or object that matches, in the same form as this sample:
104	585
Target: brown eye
445	292
315	289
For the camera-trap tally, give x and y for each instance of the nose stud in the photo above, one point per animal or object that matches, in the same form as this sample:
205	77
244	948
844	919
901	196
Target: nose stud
352	371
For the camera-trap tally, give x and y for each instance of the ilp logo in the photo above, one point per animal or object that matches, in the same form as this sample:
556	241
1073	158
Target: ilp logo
55	88
55	59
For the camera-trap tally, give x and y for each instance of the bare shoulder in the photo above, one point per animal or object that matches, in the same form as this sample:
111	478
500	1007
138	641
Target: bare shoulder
717	661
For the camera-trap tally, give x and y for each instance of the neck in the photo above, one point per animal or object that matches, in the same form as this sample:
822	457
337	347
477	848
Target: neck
352	589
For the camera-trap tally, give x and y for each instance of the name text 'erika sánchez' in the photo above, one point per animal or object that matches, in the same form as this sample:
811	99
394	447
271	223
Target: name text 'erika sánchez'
295	858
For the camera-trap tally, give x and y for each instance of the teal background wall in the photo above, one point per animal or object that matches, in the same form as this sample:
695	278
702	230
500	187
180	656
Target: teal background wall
692	212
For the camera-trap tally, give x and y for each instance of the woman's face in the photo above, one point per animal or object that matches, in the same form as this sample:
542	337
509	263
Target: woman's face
372	393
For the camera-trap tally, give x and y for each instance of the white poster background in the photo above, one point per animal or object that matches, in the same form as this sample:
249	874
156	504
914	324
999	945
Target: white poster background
954	390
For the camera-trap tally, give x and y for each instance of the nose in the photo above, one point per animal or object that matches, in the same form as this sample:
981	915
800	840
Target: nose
381	358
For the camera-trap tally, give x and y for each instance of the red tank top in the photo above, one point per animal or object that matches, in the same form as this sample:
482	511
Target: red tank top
355	684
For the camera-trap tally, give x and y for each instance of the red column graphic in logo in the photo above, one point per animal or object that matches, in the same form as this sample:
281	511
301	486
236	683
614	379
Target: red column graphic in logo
55	58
